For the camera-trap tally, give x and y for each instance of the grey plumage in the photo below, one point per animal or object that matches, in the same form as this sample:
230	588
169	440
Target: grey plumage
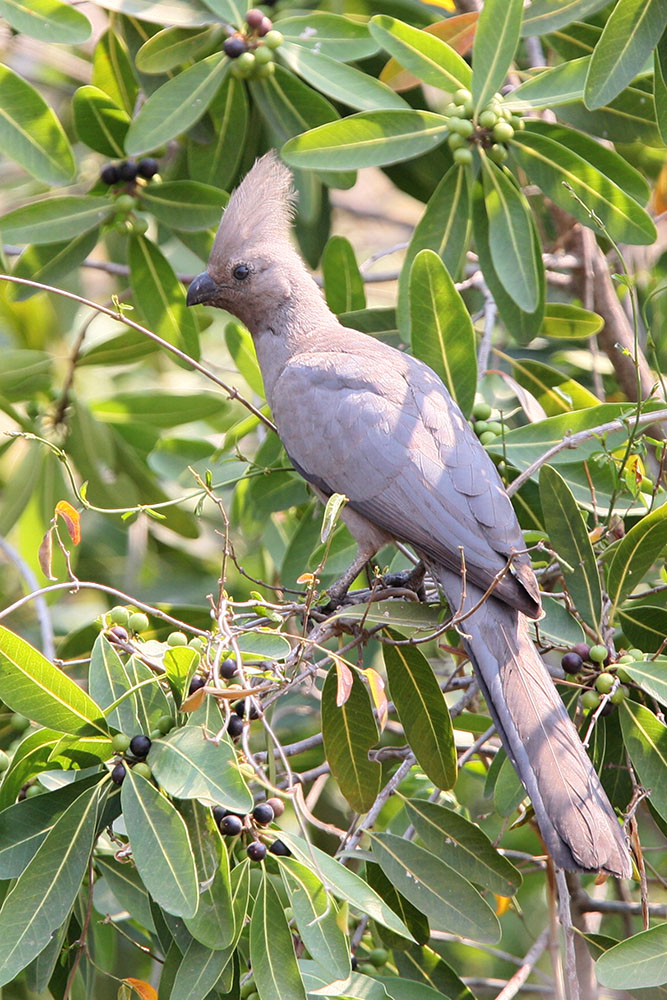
361	418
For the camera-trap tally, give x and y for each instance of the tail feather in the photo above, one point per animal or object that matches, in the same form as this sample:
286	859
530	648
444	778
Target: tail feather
575	817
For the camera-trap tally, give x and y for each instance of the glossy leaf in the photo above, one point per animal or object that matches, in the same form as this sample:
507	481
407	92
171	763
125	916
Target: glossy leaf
172	47
565	321
30	758
343	283
316	918
176	105
645	625
423	54
264	644
179	662
47	20
272	955
443	228
442	333
511	237
160	296
550	88
651	677
367	140
242	349
160	846
25	373
339	81
186	13
213	925
29	684
660	86
49	262
349	731
217	161
423	712
554	391
636	963
31	134
457	31
496	39
450	902
54	219
551	164
628	38
159	409
463	846
645	738
107	681
628	117
186	205
635	554
42	896
333	35
149	698
189	764
113	72
409	914
98	122
549	15
125	883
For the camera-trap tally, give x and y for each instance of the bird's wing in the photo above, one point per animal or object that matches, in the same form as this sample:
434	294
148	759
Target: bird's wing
380	427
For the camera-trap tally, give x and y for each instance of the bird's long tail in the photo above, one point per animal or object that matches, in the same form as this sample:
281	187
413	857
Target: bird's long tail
575	817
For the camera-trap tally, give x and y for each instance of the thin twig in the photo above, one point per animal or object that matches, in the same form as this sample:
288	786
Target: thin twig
532	956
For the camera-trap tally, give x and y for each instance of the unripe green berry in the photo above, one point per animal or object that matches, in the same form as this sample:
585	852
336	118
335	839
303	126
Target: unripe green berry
138	622
34	790
503	131
495	426
119	616
124	203
456	141
177	639
263	55
246	61
463	157
196	643
366	969
604	682
120	742
487	437
462	95
626	658
462	126
248	989
623	675
273	39
599	653
139	227
143	769
621	694
4	761
481	411
165	724
264	70
636	654
498	154
590	700
516	122
488	118
378	957
480	427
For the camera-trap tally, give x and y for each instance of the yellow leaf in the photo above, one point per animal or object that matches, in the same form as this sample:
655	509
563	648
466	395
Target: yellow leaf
345	680
145	990
72	519
376	685
502	905
306	578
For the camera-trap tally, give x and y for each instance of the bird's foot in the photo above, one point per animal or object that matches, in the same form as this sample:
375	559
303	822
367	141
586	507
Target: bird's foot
412	579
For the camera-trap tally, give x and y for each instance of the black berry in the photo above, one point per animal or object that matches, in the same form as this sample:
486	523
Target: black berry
148	167
109	174
240	709
235	726
277	805
230	825
139	746
219	812
281	849
572	663
256	851
264	27
263	814
118	634
582	649
234	47
254	18
228	668
196	683
127	171
118	774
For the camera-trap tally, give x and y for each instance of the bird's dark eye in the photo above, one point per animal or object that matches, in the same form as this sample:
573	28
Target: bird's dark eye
241	272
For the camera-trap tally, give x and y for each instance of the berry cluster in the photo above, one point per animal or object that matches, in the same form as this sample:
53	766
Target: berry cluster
486	429
252	50
128	171
233	824
133	750
588	661
490	129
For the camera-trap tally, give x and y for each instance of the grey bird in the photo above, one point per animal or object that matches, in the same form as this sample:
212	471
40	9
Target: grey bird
361	418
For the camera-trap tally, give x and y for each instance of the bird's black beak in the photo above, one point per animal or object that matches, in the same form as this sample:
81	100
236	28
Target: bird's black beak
202	289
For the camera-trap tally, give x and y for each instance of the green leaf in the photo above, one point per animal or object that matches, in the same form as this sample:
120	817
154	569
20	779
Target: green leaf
42	896
635	554
496	39
172	47
424	55
569	538
217	161
158	409
551	164
549	15
49	262
54	219
628	117
463	846
160	296
25	374
349	730
29	684
644	625
186	13
450	902
30	758
565	321
425	965
189	764
443	228
46	20
343	284
511	237
213	924
645	738
355	987
651	677
107	681
635	963
338	81
370	139
176	105
423	712
113	72
345	884
550	88
98	122
31	134
160	846
413	918
149	698
124	882
179	663
442	333
660	86
186	205
629	36
242	349
554	391
316	918
264	644
331	34
272	955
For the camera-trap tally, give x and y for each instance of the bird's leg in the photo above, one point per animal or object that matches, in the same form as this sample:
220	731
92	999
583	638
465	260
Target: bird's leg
338	590
408	579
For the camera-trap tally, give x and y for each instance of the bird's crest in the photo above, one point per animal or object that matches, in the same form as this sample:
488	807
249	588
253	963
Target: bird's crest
259	212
